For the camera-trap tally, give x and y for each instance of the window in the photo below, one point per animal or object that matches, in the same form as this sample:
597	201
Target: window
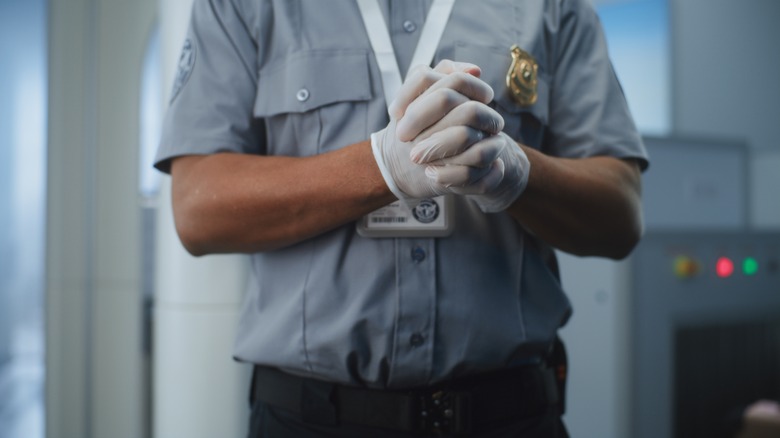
638	38
22	216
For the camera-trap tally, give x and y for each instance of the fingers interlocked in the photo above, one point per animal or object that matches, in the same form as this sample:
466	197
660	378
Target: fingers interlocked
444	138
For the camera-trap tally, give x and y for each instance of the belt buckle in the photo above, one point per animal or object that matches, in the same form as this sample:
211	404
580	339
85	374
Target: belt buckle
445	412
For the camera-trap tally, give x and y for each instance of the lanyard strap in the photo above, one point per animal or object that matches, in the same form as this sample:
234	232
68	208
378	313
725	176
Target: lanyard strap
379	37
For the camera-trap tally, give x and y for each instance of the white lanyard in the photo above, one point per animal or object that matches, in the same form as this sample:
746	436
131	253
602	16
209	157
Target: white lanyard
379	37
432	217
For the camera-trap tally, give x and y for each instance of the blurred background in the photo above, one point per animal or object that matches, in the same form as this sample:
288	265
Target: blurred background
107	327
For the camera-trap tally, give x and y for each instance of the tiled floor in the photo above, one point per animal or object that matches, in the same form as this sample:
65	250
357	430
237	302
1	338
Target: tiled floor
21	387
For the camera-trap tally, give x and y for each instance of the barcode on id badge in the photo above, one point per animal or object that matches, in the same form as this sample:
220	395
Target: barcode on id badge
388	220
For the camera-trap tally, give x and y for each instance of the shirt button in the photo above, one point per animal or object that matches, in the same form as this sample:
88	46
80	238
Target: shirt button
418	254
409	26
302	95
416	340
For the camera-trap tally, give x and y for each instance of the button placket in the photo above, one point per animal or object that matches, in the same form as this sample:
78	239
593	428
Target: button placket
416	311
405	19
418	254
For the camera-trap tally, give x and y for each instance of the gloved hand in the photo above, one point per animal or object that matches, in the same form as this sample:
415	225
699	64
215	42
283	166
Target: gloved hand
407	178
440	102
498	188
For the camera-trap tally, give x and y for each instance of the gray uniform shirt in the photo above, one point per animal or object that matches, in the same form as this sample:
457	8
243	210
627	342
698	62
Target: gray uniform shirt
298	78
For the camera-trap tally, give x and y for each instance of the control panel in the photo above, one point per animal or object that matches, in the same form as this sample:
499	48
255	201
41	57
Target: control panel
687	281
734	262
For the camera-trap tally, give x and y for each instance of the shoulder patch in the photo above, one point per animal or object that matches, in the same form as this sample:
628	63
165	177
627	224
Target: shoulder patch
186	62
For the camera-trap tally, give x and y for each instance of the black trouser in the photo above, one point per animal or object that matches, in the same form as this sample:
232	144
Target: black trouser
526	396
269	422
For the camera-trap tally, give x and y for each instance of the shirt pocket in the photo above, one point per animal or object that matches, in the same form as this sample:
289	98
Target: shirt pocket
314	101
525	124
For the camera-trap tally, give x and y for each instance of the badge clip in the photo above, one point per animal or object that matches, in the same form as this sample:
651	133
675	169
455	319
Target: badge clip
521	79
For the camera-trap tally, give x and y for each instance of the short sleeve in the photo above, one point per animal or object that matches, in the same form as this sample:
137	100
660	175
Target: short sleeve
589	115
214	90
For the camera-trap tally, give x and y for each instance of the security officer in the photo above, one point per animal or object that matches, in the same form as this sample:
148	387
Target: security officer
401	226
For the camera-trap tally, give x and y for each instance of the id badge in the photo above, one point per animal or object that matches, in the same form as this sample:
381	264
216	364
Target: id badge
430	218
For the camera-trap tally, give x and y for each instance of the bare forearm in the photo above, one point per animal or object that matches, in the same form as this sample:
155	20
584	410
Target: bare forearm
585	206
248	203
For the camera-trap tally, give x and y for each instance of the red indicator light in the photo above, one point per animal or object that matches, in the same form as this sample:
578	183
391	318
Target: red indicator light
724	267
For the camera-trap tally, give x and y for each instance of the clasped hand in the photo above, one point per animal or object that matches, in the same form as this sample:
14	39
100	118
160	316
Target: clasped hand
443	138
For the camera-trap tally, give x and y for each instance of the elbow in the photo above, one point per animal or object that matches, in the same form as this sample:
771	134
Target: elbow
626	240
193	247
630	227
192	225
188	231
623	249
204	229
191	206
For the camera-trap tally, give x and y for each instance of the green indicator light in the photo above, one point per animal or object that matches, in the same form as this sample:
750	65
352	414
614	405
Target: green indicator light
750	266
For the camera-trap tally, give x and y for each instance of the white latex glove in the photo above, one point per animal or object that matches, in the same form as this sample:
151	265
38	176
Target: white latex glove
432	102
408	179
405	179
497	188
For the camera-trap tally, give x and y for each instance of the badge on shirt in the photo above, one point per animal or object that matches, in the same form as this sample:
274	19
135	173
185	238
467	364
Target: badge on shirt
429	218
521	78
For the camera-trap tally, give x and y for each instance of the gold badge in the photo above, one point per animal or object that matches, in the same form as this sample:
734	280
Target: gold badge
521	77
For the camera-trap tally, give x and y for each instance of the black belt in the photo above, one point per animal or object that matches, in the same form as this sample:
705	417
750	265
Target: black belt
452	407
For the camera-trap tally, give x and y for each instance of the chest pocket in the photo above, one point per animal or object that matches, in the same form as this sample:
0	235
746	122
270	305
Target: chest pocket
313	101
525	124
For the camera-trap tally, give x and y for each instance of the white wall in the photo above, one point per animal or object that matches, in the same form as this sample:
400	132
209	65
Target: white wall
726	65
93	334
725	71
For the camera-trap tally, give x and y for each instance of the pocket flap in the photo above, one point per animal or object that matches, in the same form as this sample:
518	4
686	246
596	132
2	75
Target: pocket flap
307	80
